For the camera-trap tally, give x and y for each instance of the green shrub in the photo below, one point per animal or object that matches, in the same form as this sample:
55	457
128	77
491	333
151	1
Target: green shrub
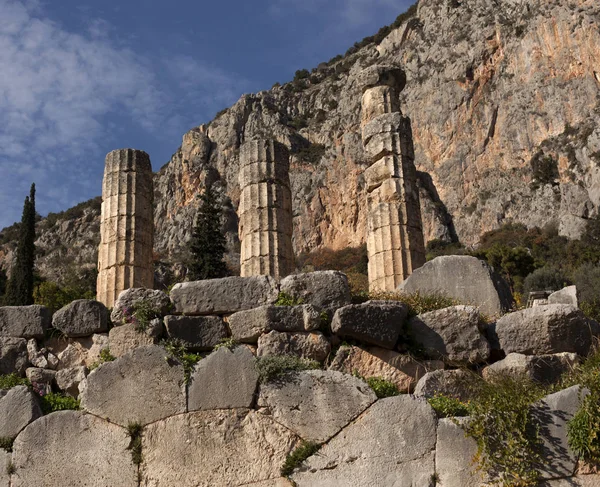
507	436
544	279
587	280
301	74
229	343
6	443
177	350
58	402
277	366
12	380
545	170
416	302
135	431
301	453
285	299
141	314
382	387
104	356
446	406
312	153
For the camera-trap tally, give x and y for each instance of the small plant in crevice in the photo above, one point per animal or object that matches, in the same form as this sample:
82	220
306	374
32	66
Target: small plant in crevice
285	299
448	407
229	343
103	357
278	366
301	453
135	431
325	323
58	402
141	314
381	387
6	443
8	381
10	468
177	350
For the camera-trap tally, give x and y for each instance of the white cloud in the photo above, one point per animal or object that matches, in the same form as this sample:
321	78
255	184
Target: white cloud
60	90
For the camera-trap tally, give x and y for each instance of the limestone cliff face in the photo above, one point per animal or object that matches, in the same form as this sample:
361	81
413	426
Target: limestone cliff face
504	101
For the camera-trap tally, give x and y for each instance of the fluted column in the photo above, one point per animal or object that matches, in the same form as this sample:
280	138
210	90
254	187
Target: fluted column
127	225
395	244
265	210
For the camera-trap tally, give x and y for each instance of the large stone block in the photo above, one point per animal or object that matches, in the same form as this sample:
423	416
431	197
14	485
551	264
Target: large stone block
460	384
454	455
549	329
402	370
5	462
374	450
13	355
125	338
312	346
464	278
198	333
316	404
223	296
81	318
247	326
326	290
24	321
224	448
155	299
142	386
68	380
567	295
18	408
225	379
374	322
545	369
73	448
452	334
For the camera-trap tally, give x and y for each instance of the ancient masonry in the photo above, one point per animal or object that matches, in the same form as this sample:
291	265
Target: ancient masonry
127	225
395	234
265	210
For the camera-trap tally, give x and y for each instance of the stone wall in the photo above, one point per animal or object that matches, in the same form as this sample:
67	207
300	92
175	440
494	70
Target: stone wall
150	416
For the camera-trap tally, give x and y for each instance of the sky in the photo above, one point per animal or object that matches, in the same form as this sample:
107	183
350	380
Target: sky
81	78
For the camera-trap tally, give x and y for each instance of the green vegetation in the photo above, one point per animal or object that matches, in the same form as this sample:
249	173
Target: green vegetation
6	443
72	213
285	299
58	402
135	431
229	343
417	303
19	289
105	356
141	314
446	407
8	381
177	350
382	387
545	170
301	453
278	366
312	153
10	468
54	297
545	278
208	244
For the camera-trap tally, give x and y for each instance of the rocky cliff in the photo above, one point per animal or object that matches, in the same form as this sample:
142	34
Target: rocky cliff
503	97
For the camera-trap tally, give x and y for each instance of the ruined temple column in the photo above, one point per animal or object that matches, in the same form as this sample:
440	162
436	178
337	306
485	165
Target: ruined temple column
126	225
265	210
395	244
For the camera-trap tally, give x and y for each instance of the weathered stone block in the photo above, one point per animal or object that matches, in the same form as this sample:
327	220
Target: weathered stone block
375	322
402	370
68	380
5	462
316	404
142	386
223	296
214	448
247	326
326	290
313	346
460	384
464	278
73	448
545	369
199	333
41	379
24	321
125	338
81	318
157	300
13	355
18	408
225	379
372	451
568	295
454	455
452	334
550	329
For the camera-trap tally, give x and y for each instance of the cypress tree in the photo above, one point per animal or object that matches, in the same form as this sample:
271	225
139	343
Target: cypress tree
19	290
208	242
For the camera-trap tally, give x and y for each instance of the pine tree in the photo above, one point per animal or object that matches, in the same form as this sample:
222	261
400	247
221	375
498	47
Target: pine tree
19	290
208	242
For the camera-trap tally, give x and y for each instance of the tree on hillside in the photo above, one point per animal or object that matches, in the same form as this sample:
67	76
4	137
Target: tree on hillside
19	290
208	242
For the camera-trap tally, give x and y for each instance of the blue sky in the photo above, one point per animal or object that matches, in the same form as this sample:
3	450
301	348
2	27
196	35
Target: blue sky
81	78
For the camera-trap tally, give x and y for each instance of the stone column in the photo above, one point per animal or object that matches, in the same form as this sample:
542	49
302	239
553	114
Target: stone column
126	225
265	210
395	243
